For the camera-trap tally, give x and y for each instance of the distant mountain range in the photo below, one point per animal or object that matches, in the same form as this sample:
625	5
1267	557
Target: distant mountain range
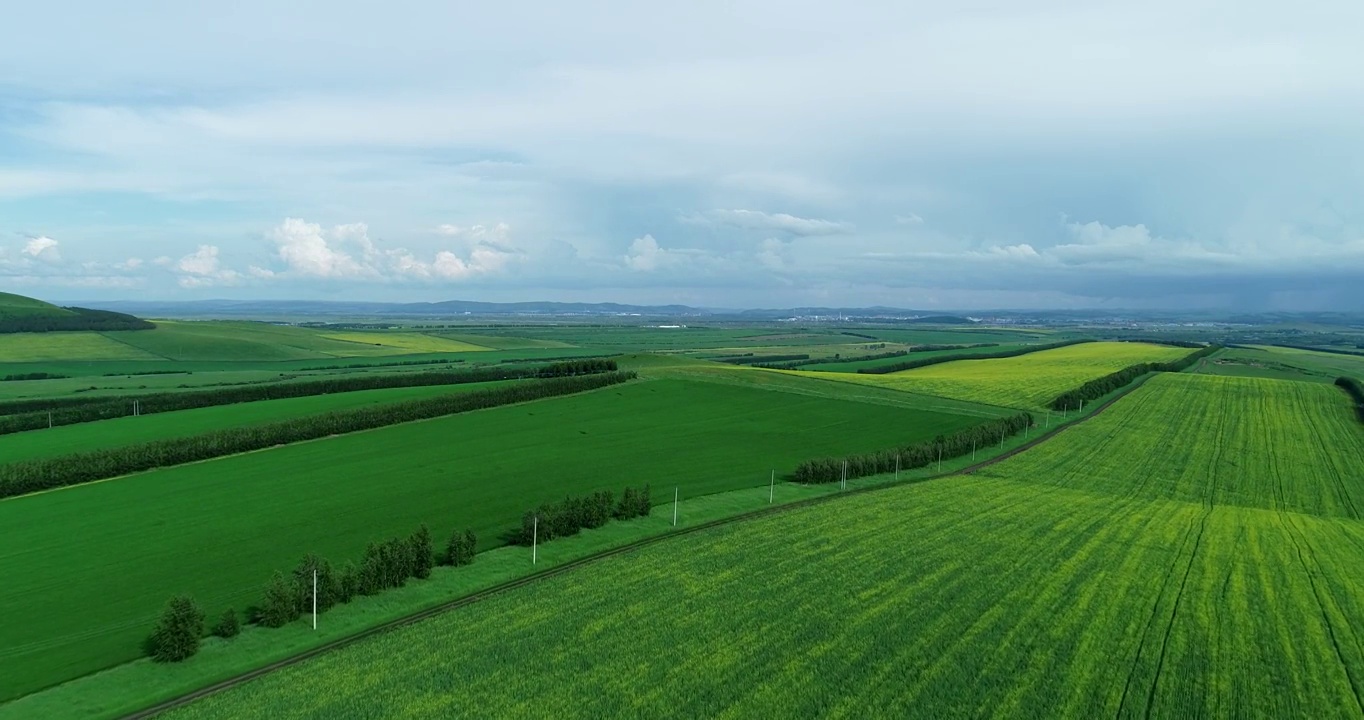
326	311
464	308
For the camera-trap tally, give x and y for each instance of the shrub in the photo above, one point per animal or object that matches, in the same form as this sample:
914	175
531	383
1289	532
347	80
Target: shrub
423	557
280	605
228	625
178	631
462	548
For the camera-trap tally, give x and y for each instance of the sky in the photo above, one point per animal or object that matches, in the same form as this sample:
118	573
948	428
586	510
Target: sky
744	153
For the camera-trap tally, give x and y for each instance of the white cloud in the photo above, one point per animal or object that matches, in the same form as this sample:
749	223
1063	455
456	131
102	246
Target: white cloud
346	252
202	268
129	264
779	222
43	248
645	254
910	219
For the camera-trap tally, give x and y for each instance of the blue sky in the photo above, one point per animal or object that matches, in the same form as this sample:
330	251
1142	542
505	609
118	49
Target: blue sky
725	154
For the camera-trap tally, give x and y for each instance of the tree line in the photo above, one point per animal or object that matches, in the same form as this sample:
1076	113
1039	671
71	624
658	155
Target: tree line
33	376
573	514
43	474
997	355
23	415
569	368
1356	393
1099	387
82	319
288	596
917	455
353	366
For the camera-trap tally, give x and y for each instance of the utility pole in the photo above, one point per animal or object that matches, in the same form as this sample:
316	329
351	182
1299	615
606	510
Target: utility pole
897	466
939	458
772	488
314	598
534	538
675	492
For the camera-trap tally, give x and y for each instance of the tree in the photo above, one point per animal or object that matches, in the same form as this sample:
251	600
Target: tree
178	631
228	626
423	556
348	585
461	548
280	605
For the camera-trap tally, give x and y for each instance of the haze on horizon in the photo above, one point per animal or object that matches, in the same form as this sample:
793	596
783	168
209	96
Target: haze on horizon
1052	154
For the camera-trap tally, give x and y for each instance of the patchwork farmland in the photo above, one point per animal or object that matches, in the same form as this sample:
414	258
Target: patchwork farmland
1185	544
1006	592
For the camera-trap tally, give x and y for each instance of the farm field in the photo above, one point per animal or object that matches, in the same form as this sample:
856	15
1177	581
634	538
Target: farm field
84	437
1027	381
854	366
408	342
41	347
1284	363
1004	593
248	515
1272	444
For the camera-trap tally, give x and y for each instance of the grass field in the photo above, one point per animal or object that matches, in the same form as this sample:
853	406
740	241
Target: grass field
852	367
44	347
1283	363
247	515
408	342
1018	592
84	437
1272	444
1027	381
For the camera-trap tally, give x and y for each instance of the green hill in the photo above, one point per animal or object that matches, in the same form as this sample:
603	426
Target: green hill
25	314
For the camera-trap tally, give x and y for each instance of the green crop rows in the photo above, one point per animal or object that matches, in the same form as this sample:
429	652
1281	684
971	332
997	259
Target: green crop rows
1222	577
217	529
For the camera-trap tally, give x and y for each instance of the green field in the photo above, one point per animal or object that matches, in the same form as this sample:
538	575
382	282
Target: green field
854	366
84	437
1027	381
1138	589
1283	363
1271	444
43	347
217	529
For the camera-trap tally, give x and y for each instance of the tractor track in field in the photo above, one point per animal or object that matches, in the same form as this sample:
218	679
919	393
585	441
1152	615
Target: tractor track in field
590	559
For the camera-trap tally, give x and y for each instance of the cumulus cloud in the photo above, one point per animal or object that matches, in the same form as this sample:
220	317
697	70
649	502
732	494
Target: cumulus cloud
645	254
775	222
346	252
43	248
910	219
202	268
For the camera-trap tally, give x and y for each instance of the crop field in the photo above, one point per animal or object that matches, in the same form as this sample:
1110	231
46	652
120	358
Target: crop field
42	347
1271	444
408	342
1284	363
84	437
1004	593
247	515
1027	381
854	366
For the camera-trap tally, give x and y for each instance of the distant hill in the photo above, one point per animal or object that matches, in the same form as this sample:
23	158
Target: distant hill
25	314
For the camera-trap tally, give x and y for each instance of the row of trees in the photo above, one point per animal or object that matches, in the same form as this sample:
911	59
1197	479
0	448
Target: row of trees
917	455
1355	391
569	368
288	596
80	319
1095	389
573	514
33	376
37	414
43	474
925	362
399	363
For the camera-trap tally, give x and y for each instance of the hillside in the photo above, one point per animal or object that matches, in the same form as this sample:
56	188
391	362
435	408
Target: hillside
24	314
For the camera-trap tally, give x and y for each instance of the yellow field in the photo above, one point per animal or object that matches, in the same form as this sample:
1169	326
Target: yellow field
40	347
1027	381
408	342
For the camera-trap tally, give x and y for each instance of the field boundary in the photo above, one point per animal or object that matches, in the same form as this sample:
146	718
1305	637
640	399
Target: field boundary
604	554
